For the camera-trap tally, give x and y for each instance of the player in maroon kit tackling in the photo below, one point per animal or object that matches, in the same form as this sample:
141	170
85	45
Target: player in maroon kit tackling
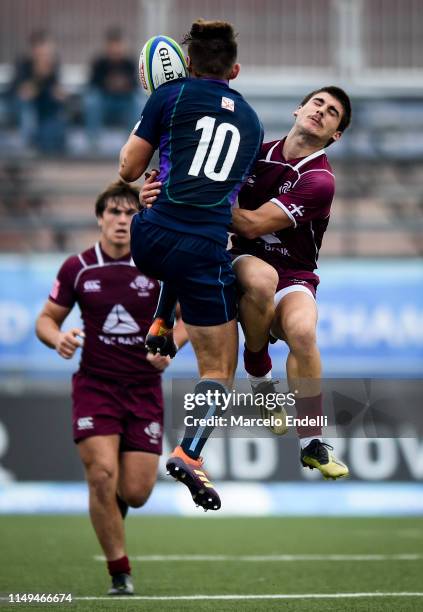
283	212
117	395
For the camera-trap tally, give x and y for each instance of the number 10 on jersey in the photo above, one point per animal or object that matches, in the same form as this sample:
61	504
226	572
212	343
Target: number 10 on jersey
207	125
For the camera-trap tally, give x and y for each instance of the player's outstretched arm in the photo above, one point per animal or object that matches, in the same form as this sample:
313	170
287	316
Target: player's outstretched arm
266	219
134	158
48	329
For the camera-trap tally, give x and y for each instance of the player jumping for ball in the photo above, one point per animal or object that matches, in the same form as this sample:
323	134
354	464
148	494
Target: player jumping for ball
209	139
283	214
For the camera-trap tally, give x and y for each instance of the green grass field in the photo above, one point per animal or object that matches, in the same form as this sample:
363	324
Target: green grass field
42	554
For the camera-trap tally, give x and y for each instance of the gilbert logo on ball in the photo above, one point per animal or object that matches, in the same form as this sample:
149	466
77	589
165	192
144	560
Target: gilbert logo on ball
161	61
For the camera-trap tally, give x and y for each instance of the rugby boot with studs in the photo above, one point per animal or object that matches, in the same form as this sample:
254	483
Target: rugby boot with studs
191	473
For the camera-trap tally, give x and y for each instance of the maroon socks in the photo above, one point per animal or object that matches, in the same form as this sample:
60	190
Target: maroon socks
257	363
311	407
119	566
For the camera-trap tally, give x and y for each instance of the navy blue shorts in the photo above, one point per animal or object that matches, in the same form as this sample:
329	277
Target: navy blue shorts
199	270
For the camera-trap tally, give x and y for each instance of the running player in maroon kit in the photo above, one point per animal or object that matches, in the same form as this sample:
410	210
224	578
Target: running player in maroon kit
117	395
283	214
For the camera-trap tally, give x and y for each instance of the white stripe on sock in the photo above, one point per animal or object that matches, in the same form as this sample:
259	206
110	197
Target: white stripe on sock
257	380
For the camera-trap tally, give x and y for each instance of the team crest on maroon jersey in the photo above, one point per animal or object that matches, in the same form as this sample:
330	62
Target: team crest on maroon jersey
285	187
154	431
142	285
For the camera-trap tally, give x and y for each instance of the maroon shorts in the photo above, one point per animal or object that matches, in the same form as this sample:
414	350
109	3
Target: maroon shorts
288	283
290	280
103	408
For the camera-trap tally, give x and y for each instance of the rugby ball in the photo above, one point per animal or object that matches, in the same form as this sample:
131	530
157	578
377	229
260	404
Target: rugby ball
161	61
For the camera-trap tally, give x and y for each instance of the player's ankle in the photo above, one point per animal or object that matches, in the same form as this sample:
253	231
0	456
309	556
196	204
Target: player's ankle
304	442
185	444
183	451
258	380
119	566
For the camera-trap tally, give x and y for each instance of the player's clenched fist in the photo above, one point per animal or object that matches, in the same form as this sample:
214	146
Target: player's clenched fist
150	189
68	342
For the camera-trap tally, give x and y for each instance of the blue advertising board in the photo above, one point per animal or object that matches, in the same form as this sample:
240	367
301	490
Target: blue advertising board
370	319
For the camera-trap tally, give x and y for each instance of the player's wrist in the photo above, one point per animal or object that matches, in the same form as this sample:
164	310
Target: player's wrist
57	340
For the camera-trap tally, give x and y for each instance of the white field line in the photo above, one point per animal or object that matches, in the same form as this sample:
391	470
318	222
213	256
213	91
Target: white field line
239	597
245	597
287	558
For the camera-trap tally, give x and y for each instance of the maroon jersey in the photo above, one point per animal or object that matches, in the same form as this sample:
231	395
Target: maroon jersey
303	188
117	305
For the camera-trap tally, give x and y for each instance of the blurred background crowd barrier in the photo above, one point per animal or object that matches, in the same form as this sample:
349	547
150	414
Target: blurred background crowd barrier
69	96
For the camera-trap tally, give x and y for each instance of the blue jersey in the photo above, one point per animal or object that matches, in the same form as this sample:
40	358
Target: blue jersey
209	137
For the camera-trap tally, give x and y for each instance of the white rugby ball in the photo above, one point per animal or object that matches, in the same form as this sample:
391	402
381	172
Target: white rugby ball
161	61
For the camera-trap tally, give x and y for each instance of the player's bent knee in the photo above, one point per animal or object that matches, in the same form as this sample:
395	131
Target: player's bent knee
261	285
137	499
302	338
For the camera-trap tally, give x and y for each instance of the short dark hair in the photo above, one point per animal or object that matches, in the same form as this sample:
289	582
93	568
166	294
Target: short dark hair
116	191
212	47
39	37
342	97
114	34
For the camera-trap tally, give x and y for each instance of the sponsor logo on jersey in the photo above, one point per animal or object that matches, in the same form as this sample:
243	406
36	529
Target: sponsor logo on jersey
85	423
122	340
92	286
275	249
251	180
142	285
296	210
297	281
228	104
119	321
55	289
154	432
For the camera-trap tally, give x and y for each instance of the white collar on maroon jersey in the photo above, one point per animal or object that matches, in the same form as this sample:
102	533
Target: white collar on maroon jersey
305	160
309	158
270	151
99	254
100	258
